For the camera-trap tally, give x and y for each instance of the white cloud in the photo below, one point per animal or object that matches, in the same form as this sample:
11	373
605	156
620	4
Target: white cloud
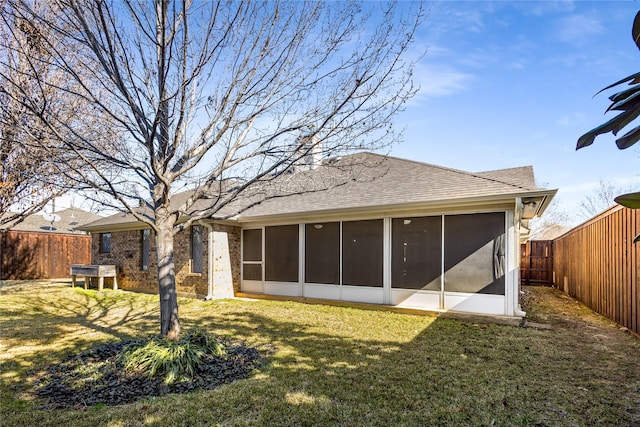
518	64
454	17
440	80
576	29
540	8
478	58
572	119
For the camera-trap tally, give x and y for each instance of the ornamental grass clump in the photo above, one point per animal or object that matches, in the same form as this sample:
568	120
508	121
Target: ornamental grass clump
172	360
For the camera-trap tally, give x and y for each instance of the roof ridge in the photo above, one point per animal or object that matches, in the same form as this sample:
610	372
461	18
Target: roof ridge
460	171
506	169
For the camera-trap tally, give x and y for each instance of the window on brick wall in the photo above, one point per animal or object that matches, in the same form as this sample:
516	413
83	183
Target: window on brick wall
105	243
145	237
196	249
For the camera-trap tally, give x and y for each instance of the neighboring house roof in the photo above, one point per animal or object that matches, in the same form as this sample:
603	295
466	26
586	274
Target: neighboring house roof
368	181
68	222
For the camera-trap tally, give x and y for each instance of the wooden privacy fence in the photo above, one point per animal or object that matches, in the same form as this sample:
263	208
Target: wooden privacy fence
31	255
597	263
536	262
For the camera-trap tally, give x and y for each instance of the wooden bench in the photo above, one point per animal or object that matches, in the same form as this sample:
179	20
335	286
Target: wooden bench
99	271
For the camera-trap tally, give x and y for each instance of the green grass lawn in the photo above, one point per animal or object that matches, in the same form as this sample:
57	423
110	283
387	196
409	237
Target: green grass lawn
335	365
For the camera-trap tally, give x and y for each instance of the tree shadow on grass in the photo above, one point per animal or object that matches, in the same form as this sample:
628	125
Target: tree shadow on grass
36	329
449	373
328	370
321	378
111	314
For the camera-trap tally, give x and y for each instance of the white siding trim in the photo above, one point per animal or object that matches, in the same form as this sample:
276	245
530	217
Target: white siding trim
301	259
442	225
386	260
322	291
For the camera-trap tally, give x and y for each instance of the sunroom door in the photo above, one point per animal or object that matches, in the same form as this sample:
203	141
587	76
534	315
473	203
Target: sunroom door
416	262
252	266
474	262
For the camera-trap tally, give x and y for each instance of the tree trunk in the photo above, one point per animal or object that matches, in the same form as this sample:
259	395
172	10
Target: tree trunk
169	321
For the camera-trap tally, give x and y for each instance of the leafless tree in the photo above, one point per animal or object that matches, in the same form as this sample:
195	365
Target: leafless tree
220	98
555	221
601	199
26	183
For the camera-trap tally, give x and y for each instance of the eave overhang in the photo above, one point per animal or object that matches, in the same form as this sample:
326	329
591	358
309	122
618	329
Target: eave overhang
475	204
533	203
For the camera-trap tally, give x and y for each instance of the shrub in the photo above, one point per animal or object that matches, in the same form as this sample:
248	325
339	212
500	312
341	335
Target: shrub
173	360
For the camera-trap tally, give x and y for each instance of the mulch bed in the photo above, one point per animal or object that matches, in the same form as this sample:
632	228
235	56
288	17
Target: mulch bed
96	377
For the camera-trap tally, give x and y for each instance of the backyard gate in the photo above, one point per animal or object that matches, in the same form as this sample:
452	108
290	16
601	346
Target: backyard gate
536	263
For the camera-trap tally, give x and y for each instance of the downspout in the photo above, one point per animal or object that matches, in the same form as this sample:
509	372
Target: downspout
209	228
517	309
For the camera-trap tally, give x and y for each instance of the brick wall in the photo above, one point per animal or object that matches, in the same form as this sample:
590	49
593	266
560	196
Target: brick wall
126	252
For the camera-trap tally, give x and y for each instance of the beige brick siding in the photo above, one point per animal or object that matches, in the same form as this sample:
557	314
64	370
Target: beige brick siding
126	252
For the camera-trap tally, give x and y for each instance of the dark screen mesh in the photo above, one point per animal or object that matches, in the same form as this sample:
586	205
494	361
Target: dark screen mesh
322	253
252	245
281	253
252	271
196	249
474	253
362	253
416	254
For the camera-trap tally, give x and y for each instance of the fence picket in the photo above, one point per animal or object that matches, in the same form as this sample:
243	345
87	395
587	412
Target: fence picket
597	263
30	255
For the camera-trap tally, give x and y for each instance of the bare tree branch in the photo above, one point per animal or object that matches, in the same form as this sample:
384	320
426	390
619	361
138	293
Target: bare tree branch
220	99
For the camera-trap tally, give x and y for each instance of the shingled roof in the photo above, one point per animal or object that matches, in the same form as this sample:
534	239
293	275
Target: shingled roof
68	223
389	181
367	180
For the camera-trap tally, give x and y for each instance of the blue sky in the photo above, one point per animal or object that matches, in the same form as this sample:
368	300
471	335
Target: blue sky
507	84
511	83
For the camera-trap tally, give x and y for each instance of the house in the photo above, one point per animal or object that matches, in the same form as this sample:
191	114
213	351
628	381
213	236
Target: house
400	233
65	221
44	246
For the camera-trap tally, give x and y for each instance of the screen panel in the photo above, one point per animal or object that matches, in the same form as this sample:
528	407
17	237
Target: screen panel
252	271
145	237
105	243
281	253
196	248
362	253
416	253
322	253
252	245
474	253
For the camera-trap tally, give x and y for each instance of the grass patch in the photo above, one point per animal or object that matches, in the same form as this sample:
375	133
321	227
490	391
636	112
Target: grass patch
334	365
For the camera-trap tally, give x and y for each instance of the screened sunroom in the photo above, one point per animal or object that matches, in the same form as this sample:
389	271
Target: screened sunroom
434	262
413	235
